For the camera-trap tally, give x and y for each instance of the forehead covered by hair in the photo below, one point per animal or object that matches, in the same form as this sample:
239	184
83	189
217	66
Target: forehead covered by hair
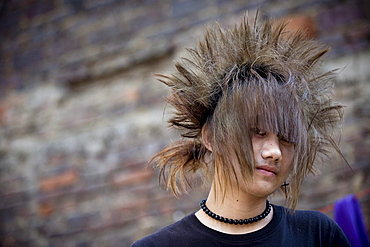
251	98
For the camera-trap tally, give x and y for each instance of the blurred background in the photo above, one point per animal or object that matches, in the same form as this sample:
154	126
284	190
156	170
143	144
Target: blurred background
81	112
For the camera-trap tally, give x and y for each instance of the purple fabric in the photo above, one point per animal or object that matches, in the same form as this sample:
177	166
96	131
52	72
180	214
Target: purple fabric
347	213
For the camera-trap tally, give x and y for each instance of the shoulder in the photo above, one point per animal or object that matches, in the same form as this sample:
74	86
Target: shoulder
169	235
311	220
305	220
310	215
319	226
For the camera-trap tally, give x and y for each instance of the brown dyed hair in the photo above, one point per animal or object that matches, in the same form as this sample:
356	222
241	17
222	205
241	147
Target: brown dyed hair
235	80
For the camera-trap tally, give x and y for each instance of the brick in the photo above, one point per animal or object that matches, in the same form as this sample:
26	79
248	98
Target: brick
9	23
13	185
131	95
83	221
105	35
149	18
302	22
184	8
27	59
3	111
127	178
12	199
63	45
342	14
58	181
76	5
337	44
9	216
129	212
56	157
45	209
9	83
357	37
39	8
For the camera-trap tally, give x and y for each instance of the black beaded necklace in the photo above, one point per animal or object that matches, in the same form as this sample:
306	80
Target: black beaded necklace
235	222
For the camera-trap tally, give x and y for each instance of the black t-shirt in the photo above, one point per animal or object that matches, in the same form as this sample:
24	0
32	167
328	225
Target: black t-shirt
302	228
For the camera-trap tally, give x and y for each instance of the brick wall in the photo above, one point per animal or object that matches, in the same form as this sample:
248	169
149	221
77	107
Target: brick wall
81	113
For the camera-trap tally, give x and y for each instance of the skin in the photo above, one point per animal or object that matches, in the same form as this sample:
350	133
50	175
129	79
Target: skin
273	163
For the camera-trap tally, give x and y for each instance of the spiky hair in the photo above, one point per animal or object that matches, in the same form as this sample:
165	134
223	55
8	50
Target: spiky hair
241	78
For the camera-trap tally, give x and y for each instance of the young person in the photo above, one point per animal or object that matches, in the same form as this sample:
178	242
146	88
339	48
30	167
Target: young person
256	115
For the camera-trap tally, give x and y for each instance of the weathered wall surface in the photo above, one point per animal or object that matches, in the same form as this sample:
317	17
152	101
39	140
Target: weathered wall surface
81	113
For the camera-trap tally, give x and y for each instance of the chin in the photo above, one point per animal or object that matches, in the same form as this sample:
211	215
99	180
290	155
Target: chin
265	189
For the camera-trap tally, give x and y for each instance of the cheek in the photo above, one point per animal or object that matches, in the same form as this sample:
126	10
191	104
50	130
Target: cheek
288	159
256	146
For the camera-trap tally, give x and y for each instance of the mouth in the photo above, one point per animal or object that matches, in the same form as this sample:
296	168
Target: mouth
267	171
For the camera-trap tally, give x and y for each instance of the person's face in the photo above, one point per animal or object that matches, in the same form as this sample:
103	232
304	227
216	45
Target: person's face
273	157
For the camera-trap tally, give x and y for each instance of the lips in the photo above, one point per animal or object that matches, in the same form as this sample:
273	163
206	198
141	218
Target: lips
266	170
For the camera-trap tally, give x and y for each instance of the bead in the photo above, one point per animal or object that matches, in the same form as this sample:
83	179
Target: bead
235	222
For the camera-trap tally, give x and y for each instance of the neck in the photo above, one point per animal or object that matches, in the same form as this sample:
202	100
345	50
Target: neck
234	205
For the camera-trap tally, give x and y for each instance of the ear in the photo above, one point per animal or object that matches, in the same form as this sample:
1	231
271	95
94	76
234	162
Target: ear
205	137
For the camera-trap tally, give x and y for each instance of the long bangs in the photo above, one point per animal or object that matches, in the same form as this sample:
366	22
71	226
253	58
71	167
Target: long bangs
272	106
269	104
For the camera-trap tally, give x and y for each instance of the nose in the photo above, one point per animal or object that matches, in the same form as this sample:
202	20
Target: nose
271	148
